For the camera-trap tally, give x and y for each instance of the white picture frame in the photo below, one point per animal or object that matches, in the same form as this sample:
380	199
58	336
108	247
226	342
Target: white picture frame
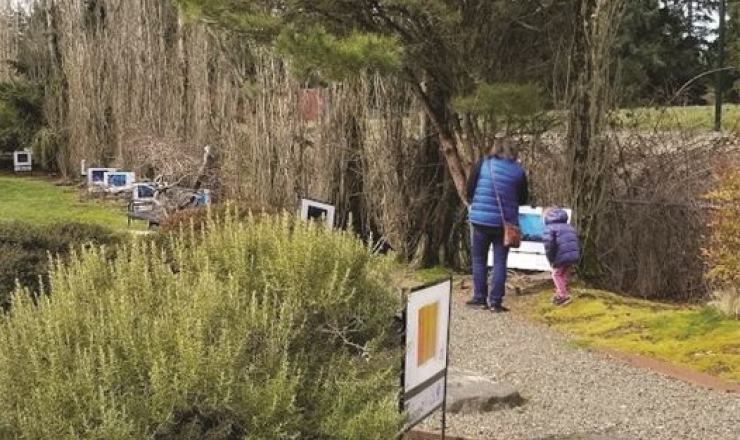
531	254
142	191
118	181
96	176
22	161
314	210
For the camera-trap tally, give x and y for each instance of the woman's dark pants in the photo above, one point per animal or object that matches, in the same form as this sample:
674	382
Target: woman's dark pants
482	239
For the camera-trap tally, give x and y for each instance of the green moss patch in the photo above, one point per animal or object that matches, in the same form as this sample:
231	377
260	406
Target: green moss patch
432	274
698	338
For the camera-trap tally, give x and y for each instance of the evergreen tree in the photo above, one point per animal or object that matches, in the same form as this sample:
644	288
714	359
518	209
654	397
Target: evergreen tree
662	47
448	51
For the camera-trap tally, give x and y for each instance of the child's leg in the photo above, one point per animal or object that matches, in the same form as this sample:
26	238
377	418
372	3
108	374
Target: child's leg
560	278
566	278
556	280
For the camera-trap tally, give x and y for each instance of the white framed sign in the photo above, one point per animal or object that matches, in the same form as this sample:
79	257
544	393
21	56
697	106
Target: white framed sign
22	160
143	191
531	254
426	358
96	176
313	210
117	181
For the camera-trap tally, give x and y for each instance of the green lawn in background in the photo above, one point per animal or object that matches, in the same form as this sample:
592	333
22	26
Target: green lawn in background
39	201
689	118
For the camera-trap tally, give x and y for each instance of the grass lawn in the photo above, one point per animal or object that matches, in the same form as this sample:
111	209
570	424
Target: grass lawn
694	337
41	202
690	118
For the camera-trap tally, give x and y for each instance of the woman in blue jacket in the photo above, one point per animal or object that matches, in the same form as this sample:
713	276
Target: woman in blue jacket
496	188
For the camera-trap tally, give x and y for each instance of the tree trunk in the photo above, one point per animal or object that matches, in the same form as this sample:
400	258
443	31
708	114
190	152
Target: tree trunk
580	128
438	243
596	23
55	90
450	141
182	55
51	36
351	193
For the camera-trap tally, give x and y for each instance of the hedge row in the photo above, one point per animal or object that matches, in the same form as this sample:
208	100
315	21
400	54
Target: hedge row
26	249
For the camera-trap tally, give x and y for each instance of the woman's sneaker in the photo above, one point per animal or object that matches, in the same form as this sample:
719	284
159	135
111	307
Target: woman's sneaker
561	300
475	303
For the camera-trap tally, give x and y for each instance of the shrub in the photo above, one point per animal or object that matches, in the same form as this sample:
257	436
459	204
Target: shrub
25	250
21	113
723	249
266	330
197	218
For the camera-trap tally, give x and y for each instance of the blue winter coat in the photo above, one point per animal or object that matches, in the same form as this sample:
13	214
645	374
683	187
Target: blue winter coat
511	183
561	239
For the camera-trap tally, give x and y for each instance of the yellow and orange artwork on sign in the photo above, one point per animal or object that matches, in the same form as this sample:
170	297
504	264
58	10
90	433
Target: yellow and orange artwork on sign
427	333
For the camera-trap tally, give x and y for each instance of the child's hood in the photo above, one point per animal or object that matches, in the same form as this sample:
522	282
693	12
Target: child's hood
556	215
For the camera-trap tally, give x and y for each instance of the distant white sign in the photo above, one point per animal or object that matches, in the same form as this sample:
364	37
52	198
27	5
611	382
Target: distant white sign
143	191
318	211
117	181
22	161
531	254
427	338
96	176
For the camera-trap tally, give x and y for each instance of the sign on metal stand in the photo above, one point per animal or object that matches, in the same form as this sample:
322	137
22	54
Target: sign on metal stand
22	160
427	333
315	210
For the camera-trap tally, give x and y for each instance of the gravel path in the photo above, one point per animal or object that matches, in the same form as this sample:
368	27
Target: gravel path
573	392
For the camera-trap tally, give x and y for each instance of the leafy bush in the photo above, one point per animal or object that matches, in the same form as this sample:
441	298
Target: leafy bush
197	218
263	329
723	249
25	250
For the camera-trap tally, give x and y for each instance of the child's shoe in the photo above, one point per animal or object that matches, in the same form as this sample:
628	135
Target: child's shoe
561	300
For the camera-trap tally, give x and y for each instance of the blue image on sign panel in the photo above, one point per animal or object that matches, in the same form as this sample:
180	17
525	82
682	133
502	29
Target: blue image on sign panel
531	226
202	198
144	192
97	175
117	180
